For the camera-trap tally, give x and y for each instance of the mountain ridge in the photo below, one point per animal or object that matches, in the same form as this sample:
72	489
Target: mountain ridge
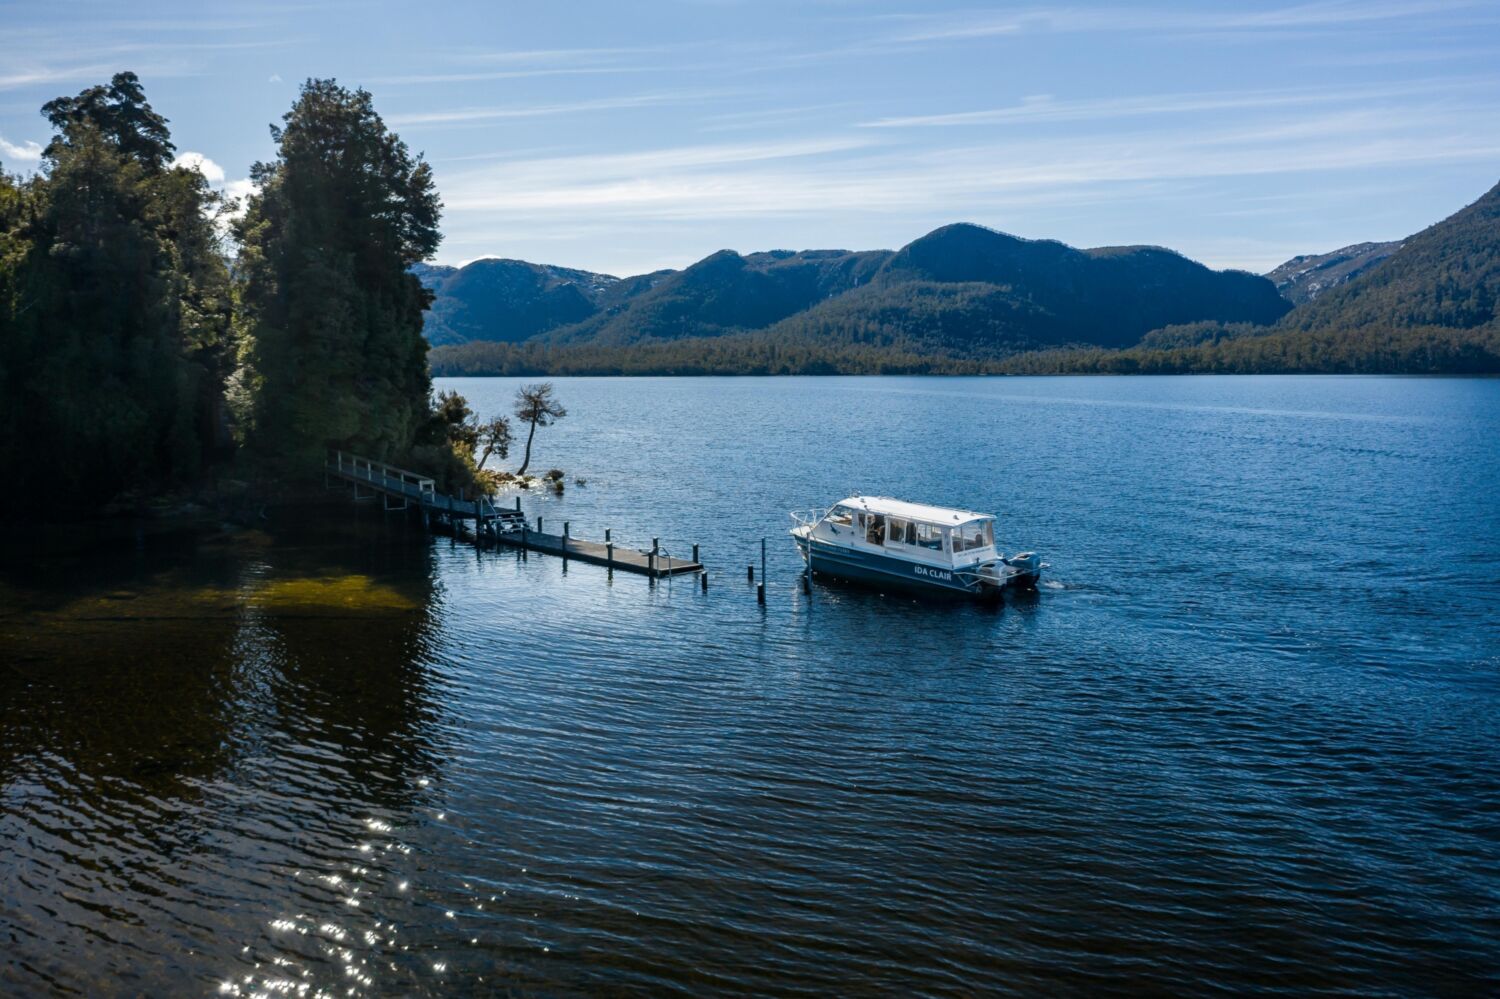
967	299
1014	291
1306	276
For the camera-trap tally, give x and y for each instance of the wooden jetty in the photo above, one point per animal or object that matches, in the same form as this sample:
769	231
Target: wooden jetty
400	489
655	562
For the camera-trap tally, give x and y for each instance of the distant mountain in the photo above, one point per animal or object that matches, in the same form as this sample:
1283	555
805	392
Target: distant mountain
961	287
432	276
509	300
1447	276
1302	279
1431	306
967	300
972	289
726	293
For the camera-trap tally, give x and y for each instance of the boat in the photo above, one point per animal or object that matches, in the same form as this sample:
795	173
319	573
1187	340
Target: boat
889	542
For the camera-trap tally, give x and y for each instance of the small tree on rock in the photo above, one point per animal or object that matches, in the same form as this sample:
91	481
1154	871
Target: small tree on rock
536	406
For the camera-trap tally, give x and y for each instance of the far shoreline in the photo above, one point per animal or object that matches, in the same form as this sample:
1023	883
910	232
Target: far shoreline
1480	375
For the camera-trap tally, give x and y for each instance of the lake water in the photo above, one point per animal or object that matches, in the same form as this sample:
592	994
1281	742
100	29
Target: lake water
1245	737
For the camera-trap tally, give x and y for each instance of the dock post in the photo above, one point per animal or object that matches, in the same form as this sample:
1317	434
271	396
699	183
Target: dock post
539	523
518	504
606	535
565	530
703	581
763	561
760	593
695	555
750	573
609	554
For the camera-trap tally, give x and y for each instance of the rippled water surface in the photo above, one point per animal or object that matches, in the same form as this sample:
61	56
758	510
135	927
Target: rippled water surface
1245	738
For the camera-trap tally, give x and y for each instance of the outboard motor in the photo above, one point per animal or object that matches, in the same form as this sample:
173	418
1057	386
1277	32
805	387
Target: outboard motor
1028	566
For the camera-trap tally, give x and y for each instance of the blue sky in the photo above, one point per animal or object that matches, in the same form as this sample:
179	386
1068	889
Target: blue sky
628	136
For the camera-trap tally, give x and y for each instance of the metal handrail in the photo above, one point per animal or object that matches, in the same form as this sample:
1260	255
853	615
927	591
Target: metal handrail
368	469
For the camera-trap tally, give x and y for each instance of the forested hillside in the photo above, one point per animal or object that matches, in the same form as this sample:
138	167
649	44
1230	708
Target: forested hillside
965	299
1447	275
961	290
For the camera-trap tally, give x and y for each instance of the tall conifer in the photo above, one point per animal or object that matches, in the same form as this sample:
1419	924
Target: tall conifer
332	350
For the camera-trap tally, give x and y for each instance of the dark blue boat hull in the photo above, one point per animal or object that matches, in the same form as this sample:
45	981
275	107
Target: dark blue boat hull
885	572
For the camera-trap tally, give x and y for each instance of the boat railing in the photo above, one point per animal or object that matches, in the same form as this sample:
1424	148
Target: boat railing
808	518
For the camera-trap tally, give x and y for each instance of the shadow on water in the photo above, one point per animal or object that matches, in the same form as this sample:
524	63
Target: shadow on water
188	722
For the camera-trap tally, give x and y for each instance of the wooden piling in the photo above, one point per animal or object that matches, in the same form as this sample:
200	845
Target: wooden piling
760	593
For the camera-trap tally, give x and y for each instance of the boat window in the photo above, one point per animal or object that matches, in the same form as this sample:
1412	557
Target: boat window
973	536
929	536
901	532
875	528
841	515
988	536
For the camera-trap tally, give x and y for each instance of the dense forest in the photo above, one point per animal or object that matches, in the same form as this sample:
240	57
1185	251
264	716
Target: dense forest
150	340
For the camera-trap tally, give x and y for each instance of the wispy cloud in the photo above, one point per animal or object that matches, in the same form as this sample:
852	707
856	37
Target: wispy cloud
838	174
16	79
582	56
507	74
478	114
26	152
774	116
1044	108
1128	18
89	73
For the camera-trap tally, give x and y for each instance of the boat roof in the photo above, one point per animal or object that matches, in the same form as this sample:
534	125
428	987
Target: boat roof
913	511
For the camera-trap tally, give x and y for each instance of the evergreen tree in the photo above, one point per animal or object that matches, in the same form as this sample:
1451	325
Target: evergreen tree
121	114
113	307
332	351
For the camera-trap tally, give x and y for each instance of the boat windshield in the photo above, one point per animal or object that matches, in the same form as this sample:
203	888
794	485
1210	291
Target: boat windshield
974	535
841	515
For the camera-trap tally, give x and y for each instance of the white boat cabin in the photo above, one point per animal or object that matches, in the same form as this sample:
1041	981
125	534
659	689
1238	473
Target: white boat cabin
910	531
